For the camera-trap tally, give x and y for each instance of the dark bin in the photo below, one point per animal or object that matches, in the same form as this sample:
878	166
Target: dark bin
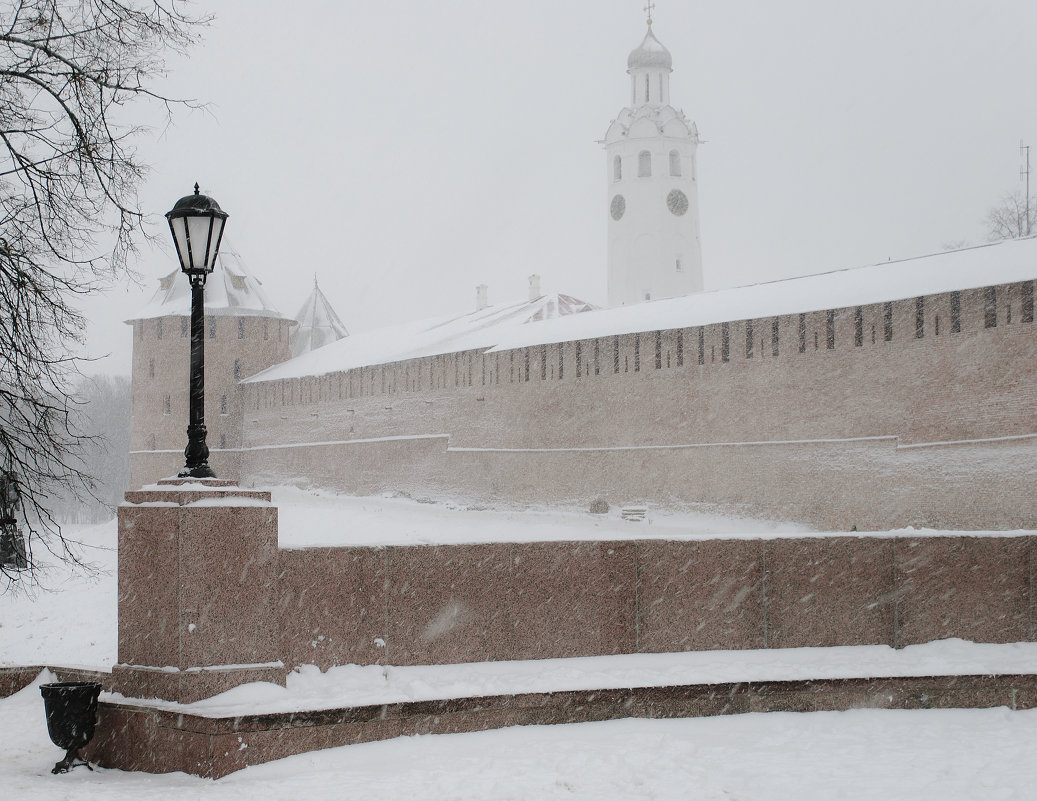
71	716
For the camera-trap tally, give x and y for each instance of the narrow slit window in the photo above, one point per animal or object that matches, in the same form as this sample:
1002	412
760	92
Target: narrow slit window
858	327
919	317
1028	302
830	329
887	322
775	323
543	362
725	342
561	361
748	339
989	307
802	333
615	354
637	353
617	169
955	312
597	357
675	164
658	350
241	328
702	345
680	347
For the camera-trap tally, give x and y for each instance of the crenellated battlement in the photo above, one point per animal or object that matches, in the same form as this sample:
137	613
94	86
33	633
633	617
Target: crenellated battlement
868	363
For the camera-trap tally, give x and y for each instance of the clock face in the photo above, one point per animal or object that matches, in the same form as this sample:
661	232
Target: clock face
618	206
677	202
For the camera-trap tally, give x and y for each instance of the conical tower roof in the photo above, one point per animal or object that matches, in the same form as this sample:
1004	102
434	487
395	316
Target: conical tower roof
318	324
231	289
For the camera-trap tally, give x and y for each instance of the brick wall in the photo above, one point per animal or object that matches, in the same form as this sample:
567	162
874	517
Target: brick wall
546	423
802	379
235	348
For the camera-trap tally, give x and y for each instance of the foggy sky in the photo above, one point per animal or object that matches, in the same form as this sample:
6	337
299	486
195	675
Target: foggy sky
406	151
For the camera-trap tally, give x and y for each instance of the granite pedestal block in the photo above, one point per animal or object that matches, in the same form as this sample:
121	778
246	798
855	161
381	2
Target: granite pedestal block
198	587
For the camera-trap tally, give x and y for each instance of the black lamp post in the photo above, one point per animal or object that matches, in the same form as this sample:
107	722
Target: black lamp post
196	222
12	542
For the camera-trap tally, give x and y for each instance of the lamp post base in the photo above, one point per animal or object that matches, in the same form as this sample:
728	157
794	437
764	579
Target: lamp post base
199	471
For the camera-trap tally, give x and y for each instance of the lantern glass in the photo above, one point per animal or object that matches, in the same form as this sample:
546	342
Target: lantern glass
196	223
197	240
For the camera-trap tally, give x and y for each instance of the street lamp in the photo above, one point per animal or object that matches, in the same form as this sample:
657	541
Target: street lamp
196	223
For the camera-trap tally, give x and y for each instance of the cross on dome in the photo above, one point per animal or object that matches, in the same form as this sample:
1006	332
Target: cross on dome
649	9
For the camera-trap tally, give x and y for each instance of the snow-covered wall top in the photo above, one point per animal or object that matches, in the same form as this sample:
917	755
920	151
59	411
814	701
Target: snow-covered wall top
230	289
478	329
504	327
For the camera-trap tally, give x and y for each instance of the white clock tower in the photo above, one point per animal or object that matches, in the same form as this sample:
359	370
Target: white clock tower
653	207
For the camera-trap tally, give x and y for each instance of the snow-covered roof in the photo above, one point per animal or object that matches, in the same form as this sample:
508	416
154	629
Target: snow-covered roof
503	327
478	329
318	324
649	121
230	289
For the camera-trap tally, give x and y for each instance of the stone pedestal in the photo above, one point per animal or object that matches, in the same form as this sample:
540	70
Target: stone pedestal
197	590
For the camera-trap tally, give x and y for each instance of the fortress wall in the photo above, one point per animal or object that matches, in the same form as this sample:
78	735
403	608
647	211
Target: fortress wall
650	389
976	383
467	603
872	484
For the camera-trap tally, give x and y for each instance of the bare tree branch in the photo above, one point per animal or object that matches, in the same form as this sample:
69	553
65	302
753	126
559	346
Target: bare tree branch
1011	219
70	219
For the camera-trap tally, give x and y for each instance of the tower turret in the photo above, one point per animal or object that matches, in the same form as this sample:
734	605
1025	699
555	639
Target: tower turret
654	249
244	334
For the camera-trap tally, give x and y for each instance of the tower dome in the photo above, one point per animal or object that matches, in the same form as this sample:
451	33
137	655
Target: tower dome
650	54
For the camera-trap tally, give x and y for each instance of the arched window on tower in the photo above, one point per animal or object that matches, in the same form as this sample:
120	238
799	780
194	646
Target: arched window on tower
617	169
675	163
644	164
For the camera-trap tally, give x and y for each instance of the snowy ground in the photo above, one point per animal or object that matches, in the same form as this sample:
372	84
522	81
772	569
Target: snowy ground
860	754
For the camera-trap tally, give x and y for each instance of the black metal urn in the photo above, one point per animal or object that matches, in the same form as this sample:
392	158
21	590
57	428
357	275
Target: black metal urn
71	716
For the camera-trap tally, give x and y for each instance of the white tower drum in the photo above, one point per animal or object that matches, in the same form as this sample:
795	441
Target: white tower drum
653	223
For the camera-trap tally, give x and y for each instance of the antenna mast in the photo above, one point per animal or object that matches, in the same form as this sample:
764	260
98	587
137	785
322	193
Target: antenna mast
1024	151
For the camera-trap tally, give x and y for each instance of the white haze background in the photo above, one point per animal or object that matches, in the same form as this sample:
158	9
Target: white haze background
405	151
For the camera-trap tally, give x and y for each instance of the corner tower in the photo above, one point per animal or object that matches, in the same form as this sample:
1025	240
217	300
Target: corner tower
244	334
653	224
